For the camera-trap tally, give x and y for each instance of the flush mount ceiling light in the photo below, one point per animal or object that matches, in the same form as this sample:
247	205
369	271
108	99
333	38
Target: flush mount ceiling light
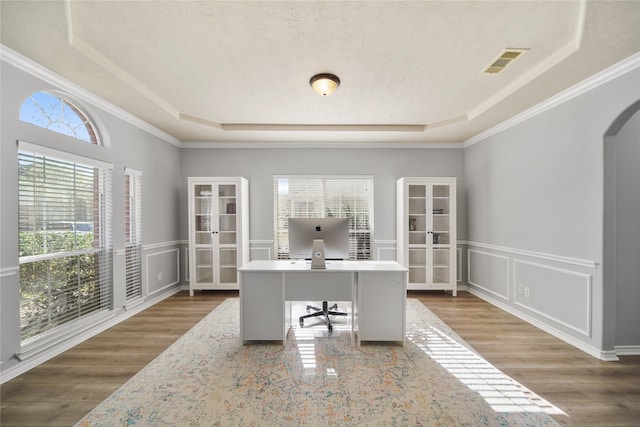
324	84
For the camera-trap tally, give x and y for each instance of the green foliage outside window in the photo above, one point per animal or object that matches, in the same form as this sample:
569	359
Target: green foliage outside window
57	289
42	242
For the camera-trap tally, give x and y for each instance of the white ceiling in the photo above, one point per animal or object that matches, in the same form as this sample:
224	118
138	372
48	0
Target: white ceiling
239	71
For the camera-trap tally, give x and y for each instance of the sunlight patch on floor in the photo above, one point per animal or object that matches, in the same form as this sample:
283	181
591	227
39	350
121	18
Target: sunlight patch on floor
501	392
315	328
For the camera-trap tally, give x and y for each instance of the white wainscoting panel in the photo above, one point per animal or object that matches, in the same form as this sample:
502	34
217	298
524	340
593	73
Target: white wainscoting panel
186	264
459	264
261	250
163	270
550	290
384	250
488	272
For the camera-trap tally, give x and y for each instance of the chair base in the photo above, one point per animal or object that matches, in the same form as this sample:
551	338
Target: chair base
325	311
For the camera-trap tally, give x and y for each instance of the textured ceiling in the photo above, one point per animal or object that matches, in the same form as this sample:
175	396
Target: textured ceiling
239	71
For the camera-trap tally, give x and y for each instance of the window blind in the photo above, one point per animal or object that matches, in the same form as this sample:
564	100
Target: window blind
65	233
133	233
323	197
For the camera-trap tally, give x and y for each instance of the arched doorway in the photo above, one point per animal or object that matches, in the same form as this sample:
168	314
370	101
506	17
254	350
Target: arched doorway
621	258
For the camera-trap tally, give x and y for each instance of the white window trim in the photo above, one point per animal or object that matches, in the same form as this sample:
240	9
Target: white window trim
63	155
35	345
138	299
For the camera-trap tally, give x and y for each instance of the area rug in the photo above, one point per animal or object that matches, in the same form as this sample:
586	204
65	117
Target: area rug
208	378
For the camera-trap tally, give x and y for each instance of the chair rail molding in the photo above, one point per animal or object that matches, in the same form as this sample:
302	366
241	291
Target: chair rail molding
161	245
542	255
9	271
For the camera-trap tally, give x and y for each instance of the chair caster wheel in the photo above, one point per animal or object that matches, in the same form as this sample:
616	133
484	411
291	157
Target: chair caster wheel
330	329
301	322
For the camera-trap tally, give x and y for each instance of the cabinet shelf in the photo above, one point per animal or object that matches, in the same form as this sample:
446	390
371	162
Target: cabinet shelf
204	266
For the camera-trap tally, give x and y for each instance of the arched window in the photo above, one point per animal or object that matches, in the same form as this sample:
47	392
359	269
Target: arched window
57	113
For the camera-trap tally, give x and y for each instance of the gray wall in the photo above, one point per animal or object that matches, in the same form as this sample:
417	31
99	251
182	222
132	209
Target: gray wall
259	165
626	146
535	210
129	146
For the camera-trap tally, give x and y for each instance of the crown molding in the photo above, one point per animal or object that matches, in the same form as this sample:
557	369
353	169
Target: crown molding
613	72
253	145
31	67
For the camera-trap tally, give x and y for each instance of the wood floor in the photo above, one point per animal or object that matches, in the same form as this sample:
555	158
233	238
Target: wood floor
590	392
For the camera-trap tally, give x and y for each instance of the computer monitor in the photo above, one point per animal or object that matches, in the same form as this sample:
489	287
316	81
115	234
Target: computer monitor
334	232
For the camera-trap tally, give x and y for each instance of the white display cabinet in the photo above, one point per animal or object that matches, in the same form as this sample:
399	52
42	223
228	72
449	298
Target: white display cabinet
426	232
218	231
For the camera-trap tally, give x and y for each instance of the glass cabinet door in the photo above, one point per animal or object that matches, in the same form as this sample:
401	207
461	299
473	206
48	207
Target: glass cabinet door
203	229
441	234
418	228
204	265
227	234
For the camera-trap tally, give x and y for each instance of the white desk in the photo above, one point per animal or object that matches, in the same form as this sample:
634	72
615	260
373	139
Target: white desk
377	291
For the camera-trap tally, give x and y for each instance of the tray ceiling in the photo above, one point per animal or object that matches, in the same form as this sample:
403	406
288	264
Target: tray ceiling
239	71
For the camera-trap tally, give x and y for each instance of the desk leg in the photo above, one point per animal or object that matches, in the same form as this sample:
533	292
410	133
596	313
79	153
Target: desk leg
355	336
288	315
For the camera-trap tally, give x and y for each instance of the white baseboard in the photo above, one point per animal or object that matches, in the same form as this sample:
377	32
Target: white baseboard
627	350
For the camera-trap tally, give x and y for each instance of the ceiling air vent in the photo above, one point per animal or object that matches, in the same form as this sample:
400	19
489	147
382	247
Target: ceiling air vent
501	62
